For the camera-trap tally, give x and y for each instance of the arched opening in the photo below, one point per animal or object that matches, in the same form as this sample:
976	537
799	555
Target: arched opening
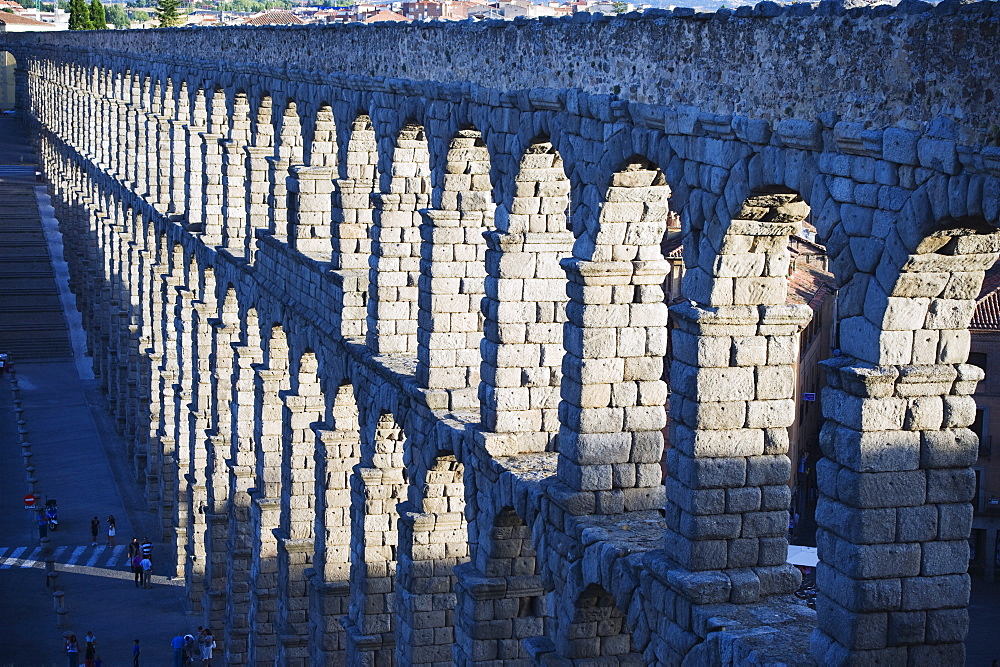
525	304
597	630
8	84
511	567
395	267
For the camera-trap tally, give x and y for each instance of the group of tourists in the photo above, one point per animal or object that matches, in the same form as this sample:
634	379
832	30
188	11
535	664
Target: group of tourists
91	657
95	529
141	561
189	649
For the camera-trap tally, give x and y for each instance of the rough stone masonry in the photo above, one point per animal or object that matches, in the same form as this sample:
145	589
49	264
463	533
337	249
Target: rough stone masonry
379	311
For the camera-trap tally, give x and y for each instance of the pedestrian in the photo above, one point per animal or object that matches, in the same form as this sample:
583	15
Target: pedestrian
95	528
137	569
133	548
111	530
192	650
90	651
43	525
147	572
135	653
72	651
146	547
97	660
177	643
207	644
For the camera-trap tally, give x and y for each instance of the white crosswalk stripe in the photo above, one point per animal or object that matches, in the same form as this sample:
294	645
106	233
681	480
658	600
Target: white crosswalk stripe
75	556
13	558
115	555
70	557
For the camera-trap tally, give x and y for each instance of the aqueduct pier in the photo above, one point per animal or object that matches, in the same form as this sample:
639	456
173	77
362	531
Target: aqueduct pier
379	309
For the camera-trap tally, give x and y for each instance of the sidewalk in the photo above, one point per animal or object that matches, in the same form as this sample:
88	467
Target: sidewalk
80	461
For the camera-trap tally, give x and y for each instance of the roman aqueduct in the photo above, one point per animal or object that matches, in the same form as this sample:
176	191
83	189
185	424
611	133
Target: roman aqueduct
379	311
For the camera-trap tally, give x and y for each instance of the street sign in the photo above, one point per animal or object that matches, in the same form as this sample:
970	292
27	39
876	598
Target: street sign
808	397
29	501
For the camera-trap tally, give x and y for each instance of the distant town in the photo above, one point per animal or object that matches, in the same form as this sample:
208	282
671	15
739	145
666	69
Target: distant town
142	13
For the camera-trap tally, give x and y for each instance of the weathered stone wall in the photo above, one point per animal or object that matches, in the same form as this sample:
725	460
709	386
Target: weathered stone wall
391	353
884	66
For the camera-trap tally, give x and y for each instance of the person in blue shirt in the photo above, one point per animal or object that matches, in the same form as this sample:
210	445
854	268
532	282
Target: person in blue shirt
178	645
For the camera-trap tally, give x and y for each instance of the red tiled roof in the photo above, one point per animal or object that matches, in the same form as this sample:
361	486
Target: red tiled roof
15	19
274	18
987	314
385	15
810	285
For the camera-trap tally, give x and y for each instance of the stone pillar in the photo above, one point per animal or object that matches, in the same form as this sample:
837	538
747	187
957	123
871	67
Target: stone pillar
194	177
310	221
175	197
432	543
370	623
395	267
522	352
894	513
277	200
352	219
211	182
257	194
612	411
234	197
449	323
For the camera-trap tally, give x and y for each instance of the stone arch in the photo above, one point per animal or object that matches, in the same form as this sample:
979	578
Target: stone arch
379	483
509	566
288	150
897	408
8	81
613	393
525	305
338	452
395	260
596	631
234	174
321	145
353	222
453	257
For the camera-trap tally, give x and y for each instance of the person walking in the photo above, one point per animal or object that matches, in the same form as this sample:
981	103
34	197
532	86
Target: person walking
133	548
147	573
43	525
146	547
177	643
95	528
136	651
136	563
111	530
72	652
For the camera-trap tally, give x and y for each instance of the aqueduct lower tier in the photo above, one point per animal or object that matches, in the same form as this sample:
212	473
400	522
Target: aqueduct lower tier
379	310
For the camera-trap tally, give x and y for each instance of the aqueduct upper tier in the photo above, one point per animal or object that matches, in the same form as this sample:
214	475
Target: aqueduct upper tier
380	312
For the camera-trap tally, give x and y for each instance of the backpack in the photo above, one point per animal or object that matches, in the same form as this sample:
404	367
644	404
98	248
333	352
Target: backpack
137	561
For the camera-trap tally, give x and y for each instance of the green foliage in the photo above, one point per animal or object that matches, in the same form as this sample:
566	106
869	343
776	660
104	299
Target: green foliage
254	6
98	18
139	15
47	7
619	7
116	16
64	5
6	9
79	15
166	14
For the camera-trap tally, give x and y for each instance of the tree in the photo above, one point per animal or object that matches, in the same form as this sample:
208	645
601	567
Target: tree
619	7
79	15
98	18
6	9
166	14
139	15
117	16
